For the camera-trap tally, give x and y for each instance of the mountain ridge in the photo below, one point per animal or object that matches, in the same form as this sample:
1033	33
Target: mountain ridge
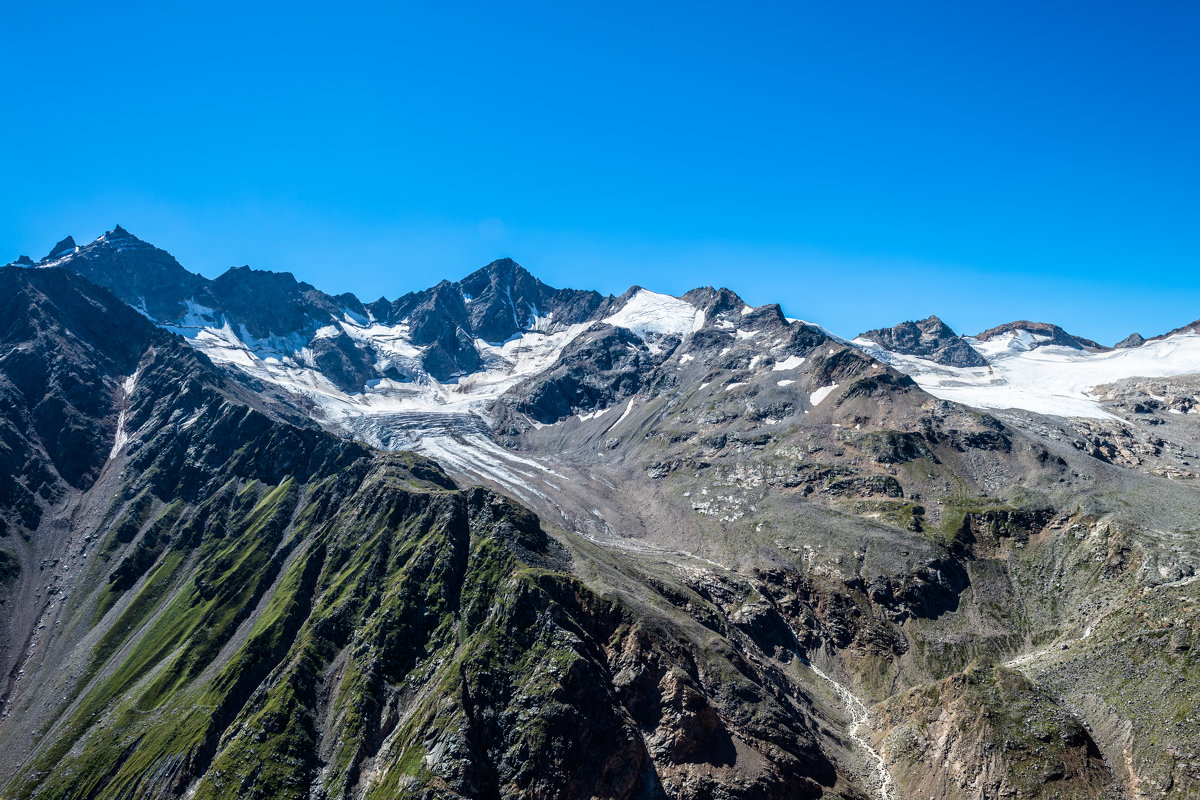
751	554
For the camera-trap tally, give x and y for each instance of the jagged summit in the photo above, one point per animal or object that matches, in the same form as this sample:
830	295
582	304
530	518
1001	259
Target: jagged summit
503	269
930	339
502	299
716	302
502	320
61	249
139	273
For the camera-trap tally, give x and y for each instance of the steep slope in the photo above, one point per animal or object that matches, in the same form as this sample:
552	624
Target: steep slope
232	604
961	543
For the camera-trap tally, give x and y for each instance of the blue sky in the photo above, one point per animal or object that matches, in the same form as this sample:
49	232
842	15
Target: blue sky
860	163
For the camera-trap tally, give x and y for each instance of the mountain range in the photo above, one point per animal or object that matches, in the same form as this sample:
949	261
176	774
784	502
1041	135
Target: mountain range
496	539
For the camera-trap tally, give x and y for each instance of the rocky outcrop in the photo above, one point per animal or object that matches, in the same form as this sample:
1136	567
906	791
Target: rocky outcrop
989	733
1134	339
65	247
1043	333
601	367
929	338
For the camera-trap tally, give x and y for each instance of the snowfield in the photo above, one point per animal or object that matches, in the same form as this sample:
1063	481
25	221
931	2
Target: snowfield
287	362
648	312
816	397
1053	380
1045	379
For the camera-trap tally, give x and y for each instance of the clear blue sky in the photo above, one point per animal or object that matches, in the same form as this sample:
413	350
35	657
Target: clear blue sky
860	163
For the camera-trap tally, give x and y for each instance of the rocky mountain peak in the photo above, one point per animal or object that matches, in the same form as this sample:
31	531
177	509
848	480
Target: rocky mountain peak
137	272
501	271
61	249
715	302
929	338
1134	339
504	298
1040	334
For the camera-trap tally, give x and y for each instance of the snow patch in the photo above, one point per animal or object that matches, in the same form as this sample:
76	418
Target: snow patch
122	436
791	362
820	394
628	409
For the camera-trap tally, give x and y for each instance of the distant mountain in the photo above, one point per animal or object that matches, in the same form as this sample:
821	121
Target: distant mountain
1030	335
929	338
1132	340
272	309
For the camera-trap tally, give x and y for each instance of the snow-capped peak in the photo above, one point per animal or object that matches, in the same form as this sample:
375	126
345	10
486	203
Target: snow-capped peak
646	313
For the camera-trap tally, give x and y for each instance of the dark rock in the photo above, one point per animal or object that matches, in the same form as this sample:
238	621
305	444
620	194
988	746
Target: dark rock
929	338
264	303
138	273
601	367
715	303
343	361
505	299
61	249
1132	340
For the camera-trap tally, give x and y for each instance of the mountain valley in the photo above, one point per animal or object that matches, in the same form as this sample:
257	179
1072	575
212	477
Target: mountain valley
496	539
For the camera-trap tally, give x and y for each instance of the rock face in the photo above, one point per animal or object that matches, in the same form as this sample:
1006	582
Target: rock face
990	734
602	367
62	346
138	273
493	304
1043	333
929	338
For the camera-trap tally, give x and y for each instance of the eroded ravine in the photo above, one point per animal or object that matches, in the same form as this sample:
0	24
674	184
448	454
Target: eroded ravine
882	779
